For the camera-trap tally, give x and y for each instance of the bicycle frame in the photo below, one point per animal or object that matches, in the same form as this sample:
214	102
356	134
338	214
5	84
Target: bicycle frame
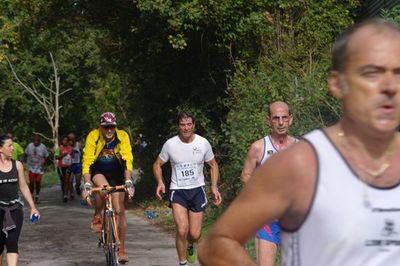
109	234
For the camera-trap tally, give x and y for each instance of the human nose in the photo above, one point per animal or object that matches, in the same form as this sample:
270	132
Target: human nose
391	84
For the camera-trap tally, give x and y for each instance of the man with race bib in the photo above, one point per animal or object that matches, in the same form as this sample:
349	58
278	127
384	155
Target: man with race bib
187	153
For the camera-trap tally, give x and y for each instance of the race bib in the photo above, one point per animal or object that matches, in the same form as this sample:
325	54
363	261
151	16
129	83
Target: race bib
186	174
66	160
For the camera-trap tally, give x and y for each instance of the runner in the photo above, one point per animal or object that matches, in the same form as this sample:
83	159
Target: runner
338	198
187	153
107	160
36	154
279	119
12	178
63	154
76	167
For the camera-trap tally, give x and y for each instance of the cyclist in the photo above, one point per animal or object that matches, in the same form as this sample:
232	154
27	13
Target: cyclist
187	153
107	160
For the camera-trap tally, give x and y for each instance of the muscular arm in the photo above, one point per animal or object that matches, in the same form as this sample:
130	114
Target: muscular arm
214	175
157	172
253	156
280	189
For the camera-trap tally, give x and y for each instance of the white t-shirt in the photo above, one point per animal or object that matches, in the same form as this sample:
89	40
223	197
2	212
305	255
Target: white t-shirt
187	161
35	156
76	156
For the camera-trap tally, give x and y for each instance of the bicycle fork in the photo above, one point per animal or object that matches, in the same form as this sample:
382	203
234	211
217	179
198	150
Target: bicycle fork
104	239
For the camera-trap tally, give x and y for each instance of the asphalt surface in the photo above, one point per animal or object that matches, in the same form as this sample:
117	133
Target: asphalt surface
63	237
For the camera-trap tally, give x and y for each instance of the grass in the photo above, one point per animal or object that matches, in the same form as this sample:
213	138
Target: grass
50	177
164	219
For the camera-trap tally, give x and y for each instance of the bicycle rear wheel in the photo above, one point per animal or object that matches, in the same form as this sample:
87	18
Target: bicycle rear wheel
110	242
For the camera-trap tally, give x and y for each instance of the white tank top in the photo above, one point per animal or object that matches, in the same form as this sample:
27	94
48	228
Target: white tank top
269	149
348	223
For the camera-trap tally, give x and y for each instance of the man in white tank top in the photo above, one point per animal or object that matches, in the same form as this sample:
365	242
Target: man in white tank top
338	200
279	119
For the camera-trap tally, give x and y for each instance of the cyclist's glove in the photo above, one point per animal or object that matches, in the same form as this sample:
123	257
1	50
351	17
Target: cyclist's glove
130	188
128	183
87	187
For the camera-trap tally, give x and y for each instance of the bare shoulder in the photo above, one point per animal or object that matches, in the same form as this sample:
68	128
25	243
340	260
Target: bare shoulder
293	172
257	148
298	156
19	165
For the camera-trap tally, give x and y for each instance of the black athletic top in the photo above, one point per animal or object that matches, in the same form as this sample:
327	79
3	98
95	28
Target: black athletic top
9	186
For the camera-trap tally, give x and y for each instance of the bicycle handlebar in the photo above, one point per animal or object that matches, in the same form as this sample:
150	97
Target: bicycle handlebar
108	188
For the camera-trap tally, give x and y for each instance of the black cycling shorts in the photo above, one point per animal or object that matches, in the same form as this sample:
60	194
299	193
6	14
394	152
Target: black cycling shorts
114	178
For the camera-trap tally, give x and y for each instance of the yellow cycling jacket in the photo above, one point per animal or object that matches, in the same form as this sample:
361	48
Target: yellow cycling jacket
95	143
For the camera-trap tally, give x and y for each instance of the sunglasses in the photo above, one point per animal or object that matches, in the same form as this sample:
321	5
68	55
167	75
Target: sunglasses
108	127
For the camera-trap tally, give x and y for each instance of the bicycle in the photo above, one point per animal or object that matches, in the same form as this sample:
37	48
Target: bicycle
109	233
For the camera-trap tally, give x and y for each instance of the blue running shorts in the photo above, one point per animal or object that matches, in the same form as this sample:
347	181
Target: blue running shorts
194	199
76	168
270	232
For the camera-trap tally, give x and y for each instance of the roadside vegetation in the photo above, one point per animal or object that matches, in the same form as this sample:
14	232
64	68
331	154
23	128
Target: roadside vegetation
146	60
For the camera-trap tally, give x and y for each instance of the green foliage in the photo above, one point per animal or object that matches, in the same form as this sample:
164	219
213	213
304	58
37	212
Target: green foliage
75	46
392	14
294	69
146	60
50	177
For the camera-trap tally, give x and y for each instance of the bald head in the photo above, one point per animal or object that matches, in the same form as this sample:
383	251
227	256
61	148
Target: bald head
340	49
278	105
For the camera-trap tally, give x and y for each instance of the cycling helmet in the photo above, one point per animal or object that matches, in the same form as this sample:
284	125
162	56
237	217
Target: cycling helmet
108	119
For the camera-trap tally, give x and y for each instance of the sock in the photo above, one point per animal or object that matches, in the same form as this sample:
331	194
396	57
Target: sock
183	263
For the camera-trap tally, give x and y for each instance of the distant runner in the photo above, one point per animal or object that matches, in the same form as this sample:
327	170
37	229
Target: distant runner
36	154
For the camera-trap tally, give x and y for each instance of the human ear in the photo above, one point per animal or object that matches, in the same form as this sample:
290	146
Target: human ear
336	85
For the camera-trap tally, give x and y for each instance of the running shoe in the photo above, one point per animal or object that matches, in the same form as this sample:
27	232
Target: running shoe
96	224
122	257
191	254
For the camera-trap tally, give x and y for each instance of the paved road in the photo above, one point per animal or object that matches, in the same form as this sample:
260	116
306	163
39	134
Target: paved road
63	237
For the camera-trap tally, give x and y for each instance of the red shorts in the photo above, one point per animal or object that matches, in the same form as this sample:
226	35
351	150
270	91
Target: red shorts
35	177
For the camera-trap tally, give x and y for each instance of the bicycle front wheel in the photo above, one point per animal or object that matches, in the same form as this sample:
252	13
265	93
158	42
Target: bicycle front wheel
111	242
